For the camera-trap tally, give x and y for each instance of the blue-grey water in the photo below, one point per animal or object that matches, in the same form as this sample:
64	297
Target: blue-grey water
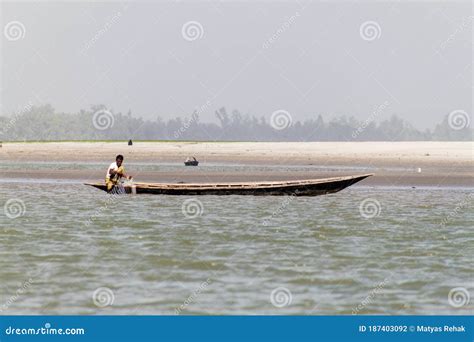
69	249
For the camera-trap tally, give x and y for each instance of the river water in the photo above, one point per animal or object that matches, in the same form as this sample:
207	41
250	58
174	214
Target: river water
66	248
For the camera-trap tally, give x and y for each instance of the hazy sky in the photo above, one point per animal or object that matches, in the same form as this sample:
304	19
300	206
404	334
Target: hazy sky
308	58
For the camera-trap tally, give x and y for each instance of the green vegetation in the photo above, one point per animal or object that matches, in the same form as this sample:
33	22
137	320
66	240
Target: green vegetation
98	124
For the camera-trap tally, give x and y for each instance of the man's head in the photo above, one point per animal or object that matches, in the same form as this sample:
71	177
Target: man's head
119	160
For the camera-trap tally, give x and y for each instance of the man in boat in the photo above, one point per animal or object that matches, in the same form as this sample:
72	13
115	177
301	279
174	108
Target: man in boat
115	172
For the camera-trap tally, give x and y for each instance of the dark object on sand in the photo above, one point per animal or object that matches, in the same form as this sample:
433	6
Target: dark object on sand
191	161
130	142
309	187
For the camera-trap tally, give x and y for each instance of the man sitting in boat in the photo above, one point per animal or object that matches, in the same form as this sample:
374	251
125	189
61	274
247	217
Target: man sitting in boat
115	172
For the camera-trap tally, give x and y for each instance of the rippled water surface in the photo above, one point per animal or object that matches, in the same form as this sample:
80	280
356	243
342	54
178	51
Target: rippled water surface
73	249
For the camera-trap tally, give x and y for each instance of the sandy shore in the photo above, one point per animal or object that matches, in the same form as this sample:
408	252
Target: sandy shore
394	163
306	153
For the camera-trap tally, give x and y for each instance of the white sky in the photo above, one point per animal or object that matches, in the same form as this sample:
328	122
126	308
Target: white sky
77	54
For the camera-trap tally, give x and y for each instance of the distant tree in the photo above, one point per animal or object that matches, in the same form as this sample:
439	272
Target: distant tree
44	123
451	129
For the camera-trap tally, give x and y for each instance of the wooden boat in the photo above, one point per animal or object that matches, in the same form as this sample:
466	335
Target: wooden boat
191	162
309	187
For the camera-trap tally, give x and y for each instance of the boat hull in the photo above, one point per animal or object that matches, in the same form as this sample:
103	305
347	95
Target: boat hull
191	163
311	187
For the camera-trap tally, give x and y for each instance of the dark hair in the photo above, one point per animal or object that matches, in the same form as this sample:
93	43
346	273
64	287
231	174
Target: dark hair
119	157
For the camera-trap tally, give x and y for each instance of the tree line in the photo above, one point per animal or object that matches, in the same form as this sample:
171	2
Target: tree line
99	123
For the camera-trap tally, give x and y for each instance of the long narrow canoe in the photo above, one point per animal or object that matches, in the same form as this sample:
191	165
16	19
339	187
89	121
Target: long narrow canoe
309	187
